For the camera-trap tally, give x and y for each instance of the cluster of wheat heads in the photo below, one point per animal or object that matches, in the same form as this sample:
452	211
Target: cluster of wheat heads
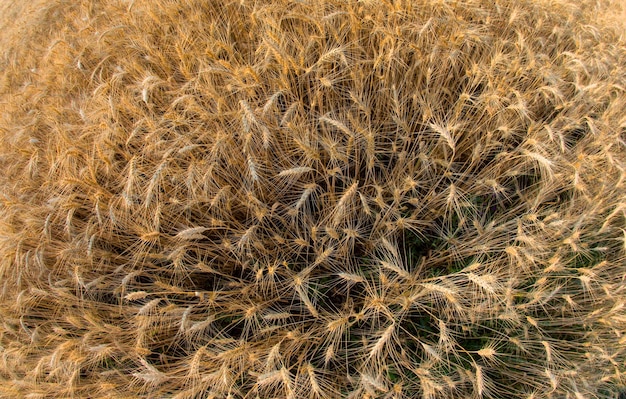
314	199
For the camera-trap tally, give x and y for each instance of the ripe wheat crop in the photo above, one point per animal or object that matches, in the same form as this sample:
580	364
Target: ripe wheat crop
312	199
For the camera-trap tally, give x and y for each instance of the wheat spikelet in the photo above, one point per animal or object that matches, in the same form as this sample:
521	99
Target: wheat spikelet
351	278
385	337
295	171
192	233
480	382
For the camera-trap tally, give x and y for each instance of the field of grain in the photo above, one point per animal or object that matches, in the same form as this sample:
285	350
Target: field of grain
312	199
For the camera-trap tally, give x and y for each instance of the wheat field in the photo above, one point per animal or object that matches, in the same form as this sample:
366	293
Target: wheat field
312	199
